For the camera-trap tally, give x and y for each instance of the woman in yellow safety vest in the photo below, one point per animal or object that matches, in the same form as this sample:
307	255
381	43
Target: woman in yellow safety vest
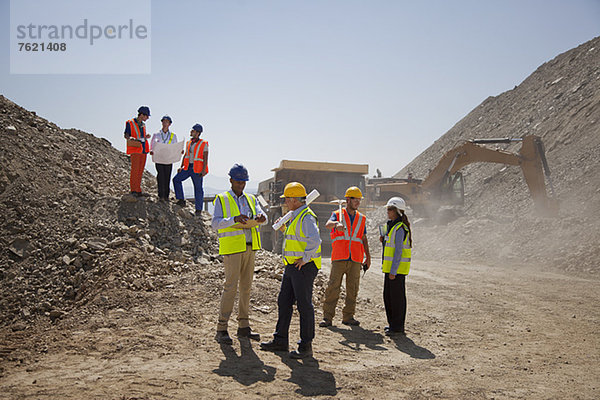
397	245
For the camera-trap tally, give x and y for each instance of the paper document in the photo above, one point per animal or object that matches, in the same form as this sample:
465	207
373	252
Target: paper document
167	153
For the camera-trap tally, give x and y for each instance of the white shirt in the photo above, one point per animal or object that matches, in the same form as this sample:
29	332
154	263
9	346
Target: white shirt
161	137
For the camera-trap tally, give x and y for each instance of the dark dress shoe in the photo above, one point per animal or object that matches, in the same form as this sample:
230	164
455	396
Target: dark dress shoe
272	345
351	322
304	351
181	202
247	332
325	323
223	337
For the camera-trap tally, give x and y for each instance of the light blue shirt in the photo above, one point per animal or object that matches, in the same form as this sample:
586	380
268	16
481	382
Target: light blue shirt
161	137
311	230
219	222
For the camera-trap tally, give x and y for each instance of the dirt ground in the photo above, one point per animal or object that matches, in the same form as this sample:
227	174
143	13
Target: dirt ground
474	332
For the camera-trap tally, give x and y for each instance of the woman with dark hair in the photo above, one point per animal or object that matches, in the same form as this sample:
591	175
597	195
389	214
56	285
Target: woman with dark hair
397	245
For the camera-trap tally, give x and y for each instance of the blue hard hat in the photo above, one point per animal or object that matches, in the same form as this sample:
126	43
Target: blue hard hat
239	173
167	118
144	110
197	128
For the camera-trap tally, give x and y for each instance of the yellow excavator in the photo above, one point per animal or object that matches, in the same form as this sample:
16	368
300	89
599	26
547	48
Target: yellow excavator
444	186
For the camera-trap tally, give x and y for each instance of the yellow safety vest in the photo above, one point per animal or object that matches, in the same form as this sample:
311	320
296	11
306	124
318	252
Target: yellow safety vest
233	240
294	240
390	248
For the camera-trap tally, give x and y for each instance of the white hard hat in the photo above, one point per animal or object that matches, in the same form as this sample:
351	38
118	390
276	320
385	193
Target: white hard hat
397	202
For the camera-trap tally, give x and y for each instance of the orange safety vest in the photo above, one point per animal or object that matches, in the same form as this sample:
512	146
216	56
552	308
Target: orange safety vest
134	129
348	244
198	156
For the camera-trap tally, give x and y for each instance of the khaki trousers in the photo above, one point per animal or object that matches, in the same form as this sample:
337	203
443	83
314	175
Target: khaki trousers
238	267
352	271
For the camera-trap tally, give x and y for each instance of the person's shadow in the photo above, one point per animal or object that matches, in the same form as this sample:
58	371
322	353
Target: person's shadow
406	345
311	380
246	368
357	336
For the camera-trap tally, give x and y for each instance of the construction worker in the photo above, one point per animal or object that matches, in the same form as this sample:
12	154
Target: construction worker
137	148
349	249
397	245
194	165
163	171
238	246
302	259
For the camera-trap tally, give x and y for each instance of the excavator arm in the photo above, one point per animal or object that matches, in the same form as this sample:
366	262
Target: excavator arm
531	159
439	187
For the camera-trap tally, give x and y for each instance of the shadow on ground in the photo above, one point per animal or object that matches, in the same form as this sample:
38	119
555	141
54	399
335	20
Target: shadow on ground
406	345
246	368
355	337
311	380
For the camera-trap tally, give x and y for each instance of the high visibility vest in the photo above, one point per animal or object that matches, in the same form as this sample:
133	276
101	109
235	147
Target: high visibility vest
233	240
389	248
135	132
294	240
198	151
348	244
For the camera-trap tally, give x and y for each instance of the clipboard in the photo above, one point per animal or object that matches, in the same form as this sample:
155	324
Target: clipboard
134	143
251	223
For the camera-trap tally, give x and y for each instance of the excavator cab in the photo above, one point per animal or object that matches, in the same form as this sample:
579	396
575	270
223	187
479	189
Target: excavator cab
451	191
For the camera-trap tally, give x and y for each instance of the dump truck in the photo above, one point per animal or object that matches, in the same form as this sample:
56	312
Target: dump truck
444	186
330	179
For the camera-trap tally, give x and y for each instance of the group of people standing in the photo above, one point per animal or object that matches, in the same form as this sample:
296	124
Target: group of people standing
236	218
194	164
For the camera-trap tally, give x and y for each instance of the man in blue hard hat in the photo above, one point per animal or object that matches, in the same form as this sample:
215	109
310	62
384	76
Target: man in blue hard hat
163	171
137	148
236	218
194	165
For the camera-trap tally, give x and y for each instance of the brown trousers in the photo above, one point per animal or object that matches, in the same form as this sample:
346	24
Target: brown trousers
239	267
352	271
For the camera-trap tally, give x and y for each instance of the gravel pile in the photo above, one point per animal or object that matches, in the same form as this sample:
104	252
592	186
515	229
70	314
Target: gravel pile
560	102
70	231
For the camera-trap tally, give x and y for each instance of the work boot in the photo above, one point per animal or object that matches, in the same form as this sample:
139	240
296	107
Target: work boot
325	323
247	333
223	337
273	345
351	322
304	351
181	202
395	332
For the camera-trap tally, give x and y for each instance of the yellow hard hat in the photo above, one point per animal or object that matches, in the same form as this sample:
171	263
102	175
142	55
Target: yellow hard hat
353	191
294	189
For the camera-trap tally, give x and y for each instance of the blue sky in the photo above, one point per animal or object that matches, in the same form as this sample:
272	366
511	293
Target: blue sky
372	82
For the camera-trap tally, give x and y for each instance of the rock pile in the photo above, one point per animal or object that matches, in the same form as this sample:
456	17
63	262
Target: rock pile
560	102
70	231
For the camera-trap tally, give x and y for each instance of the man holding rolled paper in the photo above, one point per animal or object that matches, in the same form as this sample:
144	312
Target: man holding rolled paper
350	253
302	259
236	217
